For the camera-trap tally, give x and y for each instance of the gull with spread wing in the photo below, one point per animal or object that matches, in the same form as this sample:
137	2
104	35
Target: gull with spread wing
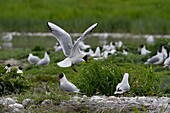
71	51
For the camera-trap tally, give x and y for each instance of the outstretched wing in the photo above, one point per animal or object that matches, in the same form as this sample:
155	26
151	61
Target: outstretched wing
75	48
62	36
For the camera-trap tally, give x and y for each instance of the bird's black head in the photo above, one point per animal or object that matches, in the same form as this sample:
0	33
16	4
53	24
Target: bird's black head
109	54
113	43
141	46
9	65
165	47
159	50
126	49
100	47
20	68
61	75
85	58
48	52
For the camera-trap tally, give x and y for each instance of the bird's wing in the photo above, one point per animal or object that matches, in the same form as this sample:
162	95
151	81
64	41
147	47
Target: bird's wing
87	32
65	63
42	62
153	60
75	50
167	62
62	36
69	87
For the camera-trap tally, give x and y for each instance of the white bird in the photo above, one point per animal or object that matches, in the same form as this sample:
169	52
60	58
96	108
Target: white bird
96	53
33	59
106	47
105	54
125	52
167	61
72	52
89	53
83	46
157	59
112	46
45	60
7	45
7	37
58	47
123	86
119	44
149	39
103	38
143	50
20	70
164	51
8	68
67	86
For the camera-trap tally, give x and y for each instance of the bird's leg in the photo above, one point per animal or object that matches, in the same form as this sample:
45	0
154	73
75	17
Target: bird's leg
72	66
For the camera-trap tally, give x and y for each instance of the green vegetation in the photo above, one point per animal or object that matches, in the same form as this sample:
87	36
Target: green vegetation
12	82
99	77
102	77
112	15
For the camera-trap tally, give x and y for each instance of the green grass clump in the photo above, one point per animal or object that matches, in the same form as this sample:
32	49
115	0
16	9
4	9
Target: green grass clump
103	76
12	82
99	78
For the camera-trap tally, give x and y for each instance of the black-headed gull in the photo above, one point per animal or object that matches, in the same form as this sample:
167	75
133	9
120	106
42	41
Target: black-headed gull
20	70
7	37
143	50
167	61
123	86
90	52
149	39
96	53
119	44
8	68
45	60
125	52
164	51
33	59
72	51
157	59
58	47
67	86
83	46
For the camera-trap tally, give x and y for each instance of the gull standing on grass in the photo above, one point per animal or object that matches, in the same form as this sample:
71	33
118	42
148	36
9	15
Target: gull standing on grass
143	50
164	52
7	37
19	70
71	51
167	61
157	59
123	86
8	68
67	86
33	59
45	60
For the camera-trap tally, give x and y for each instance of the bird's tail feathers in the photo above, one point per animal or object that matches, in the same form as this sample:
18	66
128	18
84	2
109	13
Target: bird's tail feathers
65	63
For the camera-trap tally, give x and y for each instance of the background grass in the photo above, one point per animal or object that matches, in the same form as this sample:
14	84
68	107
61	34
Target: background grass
75	16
